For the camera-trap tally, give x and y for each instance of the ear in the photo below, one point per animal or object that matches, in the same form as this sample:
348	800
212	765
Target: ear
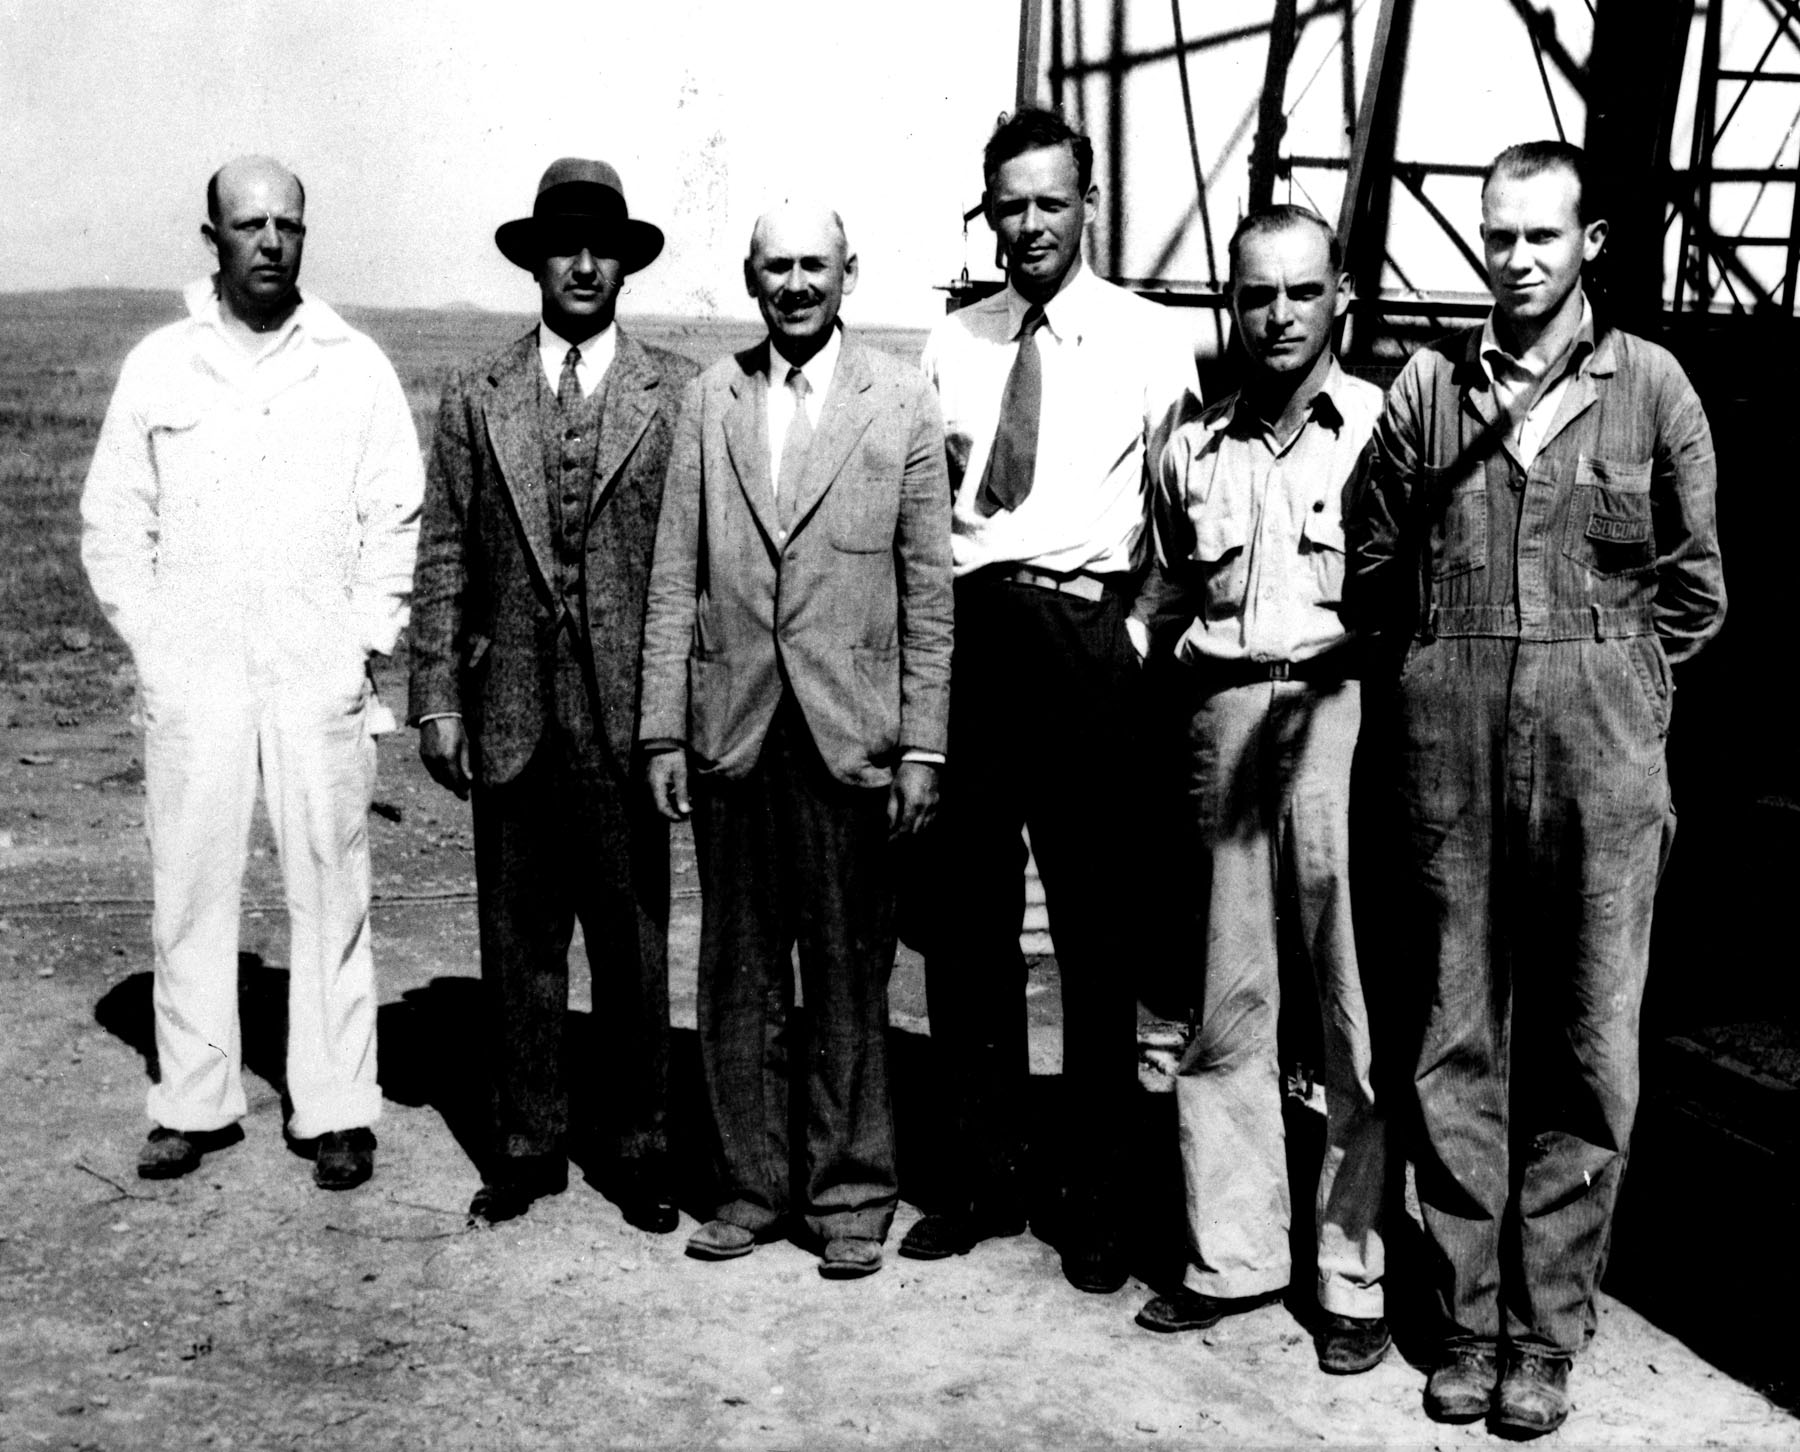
211	235
850	274
987	211
1345	291
750	278
1593	238
1090	205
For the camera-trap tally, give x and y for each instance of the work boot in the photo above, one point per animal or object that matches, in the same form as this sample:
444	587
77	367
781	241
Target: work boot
345	1158
1349	1344
169	1154
1462	1388
1534	1394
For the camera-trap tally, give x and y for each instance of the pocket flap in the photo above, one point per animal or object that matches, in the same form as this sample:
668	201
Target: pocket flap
1323	529
1621	476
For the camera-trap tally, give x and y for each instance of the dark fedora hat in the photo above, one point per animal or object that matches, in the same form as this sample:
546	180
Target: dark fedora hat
584	199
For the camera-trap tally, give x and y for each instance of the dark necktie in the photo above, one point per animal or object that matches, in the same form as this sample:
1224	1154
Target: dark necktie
1013	459
568	385
794	447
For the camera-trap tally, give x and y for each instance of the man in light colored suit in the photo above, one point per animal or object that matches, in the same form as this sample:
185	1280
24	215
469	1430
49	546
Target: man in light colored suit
540	509
797	664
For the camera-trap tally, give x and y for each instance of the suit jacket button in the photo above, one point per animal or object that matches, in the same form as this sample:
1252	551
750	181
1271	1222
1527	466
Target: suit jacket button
573	435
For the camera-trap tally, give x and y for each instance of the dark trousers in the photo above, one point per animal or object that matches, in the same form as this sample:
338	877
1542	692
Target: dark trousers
789	855
1044	736
572	837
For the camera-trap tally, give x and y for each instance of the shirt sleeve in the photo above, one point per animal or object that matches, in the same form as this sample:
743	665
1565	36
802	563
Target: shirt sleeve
1171	387
1690	593
120	512
389	490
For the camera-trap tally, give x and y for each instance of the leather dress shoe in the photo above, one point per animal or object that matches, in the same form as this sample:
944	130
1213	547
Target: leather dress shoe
1462	1388
169	1154
1533	1397
511	1187
650	1209
1185	1310
344	1158
1349	1344
1095	1264
938	1237
850	1257
721	1240
641	1189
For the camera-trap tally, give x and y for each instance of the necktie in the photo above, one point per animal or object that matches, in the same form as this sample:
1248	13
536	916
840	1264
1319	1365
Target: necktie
1013	459
568	385
794	447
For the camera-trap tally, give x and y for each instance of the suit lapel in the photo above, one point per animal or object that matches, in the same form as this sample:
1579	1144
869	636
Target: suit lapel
629	402
842	421
747	436
512	425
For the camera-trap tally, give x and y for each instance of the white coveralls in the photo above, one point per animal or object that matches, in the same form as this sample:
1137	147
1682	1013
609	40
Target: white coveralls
248	525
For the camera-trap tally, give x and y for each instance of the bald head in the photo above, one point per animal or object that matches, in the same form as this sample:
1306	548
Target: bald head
256	225
234	173
799	270
794	219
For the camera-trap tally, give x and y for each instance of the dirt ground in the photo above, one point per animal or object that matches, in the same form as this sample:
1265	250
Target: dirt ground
240	1307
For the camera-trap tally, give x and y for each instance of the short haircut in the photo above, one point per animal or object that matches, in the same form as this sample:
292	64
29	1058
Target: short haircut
212	194
1533	158
1032	128
1284	217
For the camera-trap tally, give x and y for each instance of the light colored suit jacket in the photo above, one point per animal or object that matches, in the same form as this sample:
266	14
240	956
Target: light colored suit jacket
852	605
484	608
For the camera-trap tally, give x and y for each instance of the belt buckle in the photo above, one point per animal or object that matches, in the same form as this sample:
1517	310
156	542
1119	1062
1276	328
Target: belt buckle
1281	670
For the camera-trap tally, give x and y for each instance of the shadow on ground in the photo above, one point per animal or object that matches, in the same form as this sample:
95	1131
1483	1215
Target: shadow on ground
1697	1206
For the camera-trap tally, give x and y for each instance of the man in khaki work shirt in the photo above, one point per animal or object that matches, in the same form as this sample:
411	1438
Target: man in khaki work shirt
1250	570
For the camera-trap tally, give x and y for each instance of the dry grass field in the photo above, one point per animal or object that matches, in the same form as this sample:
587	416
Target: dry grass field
241	1308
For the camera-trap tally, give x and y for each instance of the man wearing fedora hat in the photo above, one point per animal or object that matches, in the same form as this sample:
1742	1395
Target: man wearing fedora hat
540	512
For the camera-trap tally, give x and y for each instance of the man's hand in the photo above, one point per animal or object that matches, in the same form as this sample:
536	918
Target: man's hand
444	748
666	772
912	801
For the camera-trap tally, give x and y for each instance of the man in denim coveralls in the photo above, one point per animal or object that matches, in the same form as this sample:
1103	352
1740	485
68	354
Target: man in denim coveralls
1538	531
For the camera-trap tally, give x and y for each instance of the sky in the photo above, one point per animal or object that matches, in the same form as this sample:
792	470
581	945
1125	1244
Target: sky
418	126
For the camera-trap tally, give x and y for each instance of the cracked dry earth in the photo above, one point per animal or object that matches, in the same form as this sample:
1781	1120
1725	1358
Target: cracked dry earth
240	1307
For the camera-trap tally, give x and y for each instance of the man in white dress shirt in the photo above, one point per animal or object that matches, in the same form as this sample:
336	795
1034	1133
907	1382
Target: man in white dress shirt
248	526
1056	393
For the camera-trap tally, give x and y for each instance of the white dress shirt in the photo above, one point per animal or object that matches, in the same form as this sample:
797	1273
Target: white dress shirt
590	369
817	371
1115	369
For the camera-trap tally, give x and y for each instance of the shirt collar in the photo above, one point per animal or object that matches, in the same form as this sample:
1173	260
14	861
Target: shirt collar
818	369
1062	314
596	353
313	318
1580	345
1323	408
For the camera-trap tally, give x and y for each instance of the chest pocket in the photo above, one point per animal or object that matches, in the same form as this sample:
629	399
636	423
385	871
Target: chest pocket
1609	530
1457	505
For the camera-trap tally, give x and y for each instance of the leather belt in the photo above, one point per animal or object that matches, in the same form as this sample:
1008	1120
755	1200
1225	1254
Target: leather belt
1082	587
1334	665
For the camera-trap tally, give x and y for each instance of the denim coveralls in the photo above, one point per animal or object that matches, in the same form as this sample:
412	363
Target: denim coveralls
1542	608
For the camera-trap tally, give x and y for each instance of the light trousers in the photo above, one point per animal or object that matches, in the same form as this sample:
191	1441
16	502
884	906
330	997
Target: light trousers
204	752
1270	784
